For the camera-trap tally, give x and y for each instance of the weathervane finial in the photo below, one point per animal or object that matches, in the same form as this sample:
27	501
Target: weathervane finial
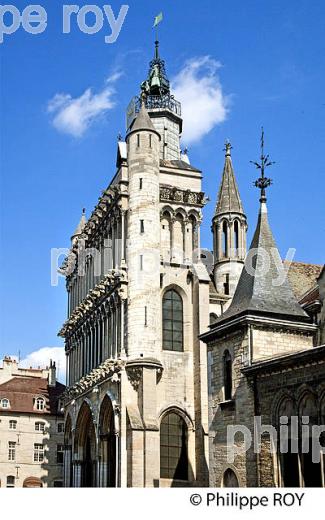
227	148
263	182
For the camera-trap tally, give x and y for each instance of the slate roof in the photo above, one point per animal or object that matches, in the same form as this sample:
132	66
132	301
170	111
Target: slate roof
259	293
303	277
228	197
179	164
143	121
21	392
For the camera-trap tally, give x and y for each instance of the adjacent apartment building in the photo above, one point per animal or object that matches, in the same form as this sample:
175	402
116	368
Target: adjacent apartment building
31	426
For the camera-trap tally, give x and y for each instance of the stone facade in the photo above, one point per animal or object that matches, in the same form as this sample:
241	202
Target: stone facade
32	439
265	364
130	379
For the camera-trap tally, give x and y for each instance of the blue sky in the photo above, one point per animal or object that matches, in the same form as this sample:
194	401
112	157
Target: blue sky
258	62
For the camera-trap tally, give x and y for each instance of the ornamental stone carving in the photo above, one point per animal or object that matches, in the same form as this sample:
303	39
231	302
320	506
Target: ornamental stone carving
172	194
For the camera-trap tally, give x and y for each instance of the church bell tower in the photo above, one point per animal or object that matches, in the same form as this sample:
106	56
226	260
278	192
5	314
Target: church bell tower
163	109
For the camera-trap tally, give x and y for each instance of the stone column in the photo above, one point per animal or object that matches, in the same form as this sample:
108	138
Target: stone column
67	465
103	461
77	465
122	237
187	240
113	244
231	244
171	229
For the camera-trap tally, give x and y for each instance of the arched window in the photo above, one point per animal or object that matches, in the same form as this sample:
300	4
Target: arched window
5	403
288	457
10	481
236	237
172	321
227	375
39	403
173	447
230	479
224	238
311	469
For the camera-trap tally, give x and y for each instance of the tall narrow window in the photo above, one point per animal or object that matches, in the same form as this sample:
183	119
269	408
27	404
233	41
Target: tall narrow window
141	262
12	425
226	284
10	481
173	447
288	458
227	375
141	226
236	233
172	321
138	140
11	451
150	140
38	453
225	239
140	183
59	454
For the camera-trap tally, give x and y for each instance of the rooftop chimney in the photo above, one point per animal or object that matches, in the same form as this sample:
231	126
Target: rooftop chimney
52	373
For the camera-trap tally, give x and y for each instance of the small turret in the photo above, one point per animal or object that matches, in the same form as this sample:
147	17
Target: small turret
143	236
79	229
229	227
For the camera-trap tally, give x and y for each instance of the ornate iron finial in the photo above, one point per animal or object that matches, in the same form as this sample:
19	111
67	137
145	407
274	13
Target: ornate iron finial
84	211
263	182
227	148
185	150
156	49
119	137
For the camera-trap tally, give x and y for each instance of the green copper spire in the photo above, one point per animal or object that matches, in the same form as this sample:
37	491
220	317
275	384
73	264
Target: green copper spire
157	83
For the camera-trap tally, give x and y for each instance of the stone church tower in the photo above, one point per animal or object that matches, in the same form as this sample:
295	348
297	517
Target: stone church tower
136	403
229	227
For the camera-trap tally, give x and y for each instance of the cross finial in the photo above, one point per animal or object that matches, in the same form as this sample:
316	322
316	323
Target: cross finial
263	182
83	211
227	148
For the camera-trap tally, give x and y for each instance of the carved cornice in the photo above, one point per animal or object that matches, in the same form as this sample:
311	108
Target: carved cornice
108	207
108	370
114	282
187	197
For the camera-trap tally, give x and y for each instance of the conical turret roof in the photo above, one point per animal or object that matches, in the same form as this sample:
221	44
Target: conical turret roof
80	227
228	200
143	121
263	286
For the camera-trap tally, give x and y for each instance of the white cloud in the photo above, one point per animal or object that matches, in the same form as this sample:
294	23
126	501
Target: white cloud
41	358
74	116
197	87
